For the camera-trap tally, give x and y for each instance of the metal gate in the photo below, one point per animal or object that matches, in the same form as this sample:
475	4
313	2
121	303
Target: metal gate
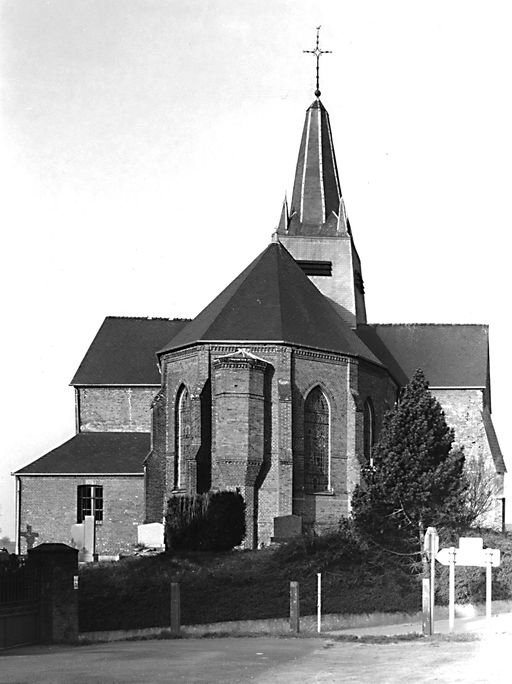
19	602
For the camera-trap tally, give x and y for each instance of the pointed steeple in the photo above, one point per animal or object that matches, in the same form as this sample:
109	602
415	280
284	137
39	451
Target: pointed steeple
317	214
283	220
316	189
343	227
317	230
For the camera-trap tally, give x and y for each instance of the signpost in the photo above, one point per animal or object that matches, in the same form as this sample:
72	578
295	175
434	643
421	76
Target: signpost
430	547
469	553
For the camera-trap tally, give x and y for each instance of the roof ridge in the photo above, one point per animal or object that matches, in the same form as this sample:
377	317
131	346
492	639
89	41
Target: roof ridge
279	288
146	318
450	325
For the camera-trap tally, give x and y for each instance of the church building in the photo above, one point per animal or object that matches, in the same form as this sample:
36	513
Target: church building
278	389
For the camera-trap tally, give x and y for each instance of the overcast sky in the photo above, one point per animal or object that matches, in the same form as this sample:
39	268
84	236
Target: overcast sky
146	146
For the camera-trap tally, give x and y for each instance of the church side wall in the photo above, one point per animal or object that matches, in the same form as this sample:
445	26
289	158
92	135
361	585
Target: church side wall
155	471
331	373
115	409
463	411
49	505
375	385
191	369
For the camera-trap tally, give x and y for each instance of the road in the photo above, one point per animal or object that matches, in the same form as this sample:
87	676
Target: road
263	660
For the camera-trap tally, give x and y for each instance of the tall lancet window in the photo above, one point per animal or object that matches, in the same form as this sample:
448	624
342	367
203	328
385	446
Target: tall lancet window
316	442
182	435
368	431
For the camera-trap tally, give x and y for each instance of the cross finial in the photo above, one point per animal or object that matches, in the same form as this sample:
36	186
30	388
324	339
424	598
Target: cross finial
318	53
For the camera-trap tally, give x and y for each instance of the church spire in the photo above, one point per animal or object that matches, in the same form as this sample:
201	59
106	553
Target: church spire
315	228
316	189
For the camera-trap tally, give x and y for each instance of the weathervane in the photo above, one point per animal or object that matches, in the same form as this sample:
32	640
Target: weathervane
318	53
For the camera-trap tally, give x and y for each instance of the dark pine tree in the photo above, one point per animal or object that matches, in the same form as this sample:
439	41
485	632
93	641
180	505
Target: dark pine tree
416	479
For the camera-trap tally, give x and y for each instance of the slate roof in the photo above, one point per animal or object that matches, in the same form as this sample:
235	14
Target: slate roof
316	188
123	351
449	355
272	300
94	453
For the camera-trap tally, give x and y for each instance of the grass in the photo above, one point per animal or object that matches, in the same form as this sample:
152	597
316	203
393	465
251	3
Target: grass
249	585
244	585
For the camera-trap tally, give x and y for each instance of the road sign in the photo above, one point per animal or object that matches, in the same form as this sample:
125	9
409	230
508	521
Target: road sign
471	555
494	556
431	542
470	552
445	556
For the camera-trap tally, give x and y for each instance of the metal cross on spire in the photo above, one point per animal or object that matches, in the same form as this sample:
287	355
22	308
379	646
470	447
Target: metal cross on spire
318	53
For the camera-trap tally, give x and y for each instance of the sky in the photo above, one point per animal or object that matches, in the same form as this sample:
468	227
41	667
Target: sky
147	145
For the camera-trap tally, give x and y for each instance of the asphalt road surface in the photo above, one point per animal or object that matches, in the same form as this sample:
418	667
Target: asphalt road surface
263	660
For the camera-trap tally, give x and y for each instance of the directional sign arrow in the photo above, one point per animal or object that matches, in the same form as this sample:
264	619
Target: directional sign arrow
494	555
445	556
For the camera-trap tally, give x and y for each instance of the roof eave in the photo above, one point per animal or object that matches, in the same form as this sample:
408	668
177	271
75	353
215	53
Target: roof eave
456	387
115	384
19	473
274	342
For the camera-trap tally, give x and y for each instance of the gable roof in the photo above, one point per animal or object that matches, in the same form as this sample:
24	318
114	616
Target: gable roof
123	351
272	300
94	453
449	355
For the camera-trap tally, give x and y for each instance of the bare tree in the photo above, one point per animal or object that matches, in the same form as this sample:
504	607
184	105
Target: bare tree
481	492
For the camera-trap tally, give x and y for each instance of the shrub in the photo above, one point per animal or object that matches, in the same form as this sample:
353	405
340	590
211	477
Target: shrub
214	521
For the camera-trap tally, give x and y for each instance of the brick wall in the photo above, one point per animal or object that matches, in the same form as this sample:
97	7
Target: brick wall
463	411
115	409
155	482
238	445
347	384
331	373
49	505
375	385
251	413
191	369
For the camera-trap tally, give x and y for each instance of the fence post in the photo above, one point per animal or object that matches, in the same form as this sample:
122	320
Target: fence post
175	609
294	607
319	602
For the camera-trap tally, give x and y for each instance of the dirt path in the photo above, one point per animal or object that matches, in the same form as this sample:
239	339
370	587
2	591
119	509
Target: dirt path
399	663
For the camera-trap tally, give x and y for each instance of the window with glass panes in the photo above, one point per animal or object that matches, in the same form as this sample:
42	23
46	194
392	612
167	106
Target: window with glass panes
90	502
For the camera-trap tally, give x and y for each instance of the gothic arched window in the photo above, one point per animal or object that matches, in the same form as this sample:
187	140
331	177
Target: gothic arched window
316	442
182	435
368	431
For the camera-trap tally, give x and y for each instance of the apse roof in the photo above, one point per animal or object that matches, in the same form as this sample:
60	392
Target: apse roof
272	300
94	453
449	355
123	351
